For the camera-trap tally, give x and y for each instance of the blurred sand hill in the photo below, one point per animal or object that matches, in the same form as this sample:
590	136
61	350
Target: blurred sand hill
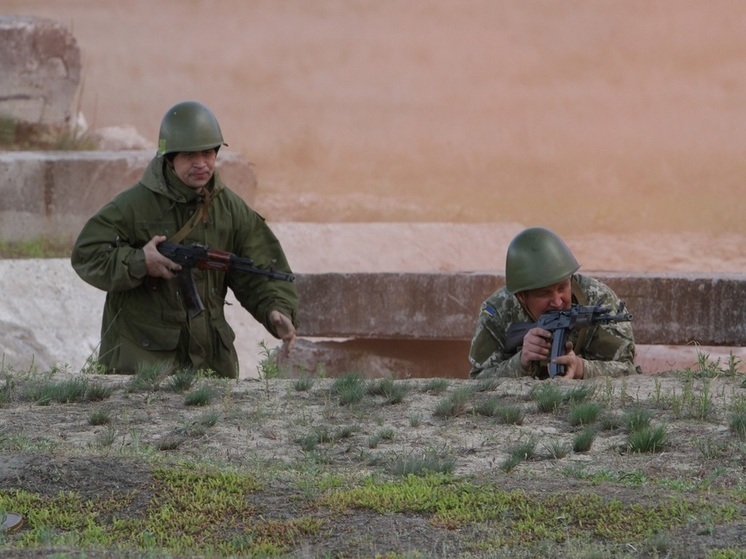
623	118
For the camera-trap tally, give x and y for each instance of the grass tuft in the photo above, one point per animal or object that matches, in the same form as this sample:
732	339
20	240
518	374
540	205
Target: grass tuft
436	386
201	396
148	378
303	383
182	380
506	413
100	417
647	439
350	388
422	464
455	404
583	441
737	423
392	391
584	413
548	397
636	418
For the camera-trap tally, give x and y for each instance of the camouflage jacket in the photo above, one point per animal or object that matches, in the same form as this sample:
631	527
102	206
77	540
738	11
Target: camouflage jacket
607	349
144	326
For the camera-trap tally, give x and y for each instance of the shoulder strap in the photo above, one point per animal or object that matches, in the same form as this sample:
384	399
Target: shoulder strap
201	214
577	292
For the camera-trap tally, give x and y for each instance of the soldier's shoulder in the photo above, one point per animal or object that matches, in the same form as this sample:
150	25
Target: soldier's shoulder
594	289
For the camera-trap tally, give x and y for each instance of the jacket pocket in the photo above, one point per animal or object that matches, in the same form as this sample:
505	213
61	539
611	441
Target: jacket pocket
226	335
225	358
148	336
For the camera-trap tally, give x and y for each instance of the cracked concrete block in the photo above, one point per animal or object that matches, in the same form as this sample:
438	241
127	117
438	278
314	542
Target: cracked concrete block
40	68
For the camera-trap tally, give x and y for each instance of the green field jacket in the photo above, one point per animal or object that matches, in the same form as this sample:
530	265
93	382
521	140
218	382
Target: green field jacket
146	322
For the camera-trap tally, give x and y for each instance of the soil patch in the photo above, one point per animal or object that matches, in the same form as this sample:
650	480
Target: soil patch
264	429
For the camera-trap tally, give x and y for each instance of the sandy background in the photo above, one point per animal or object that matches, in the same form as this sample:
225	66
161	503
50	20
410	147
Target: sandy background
584	116
422	135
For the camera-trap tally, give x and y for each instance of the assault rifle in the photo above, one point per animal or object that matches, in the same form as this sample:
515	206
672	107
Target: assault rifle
204	258
560	324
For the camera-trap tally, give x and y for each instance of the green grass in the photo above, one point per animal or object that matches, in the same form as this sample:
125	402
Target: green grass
518	518
44	391
200	396
548	397
648	439
392	391
36	248
349	389
184	510
583	441
583	413
422	463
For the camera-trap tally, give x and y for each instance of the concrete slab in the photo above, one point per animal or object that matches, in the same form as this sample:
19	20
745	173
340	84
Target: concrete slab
671	309
52	194
49	317
40	65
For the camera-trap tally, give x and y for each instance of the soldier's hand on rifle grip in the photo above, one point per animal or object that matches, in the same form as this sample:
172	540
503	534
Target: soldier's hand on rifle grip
285	330
159	266
537	343
573	363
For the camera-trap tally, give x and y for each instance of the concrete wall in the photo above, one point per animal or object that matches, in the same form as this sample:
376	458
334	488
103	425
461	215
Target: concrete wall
668	308
380	324
40	69
52	194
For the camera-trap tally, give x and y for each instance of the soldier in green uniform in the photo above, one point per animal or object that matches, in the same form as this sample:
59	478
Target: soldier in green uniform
541	276
180	198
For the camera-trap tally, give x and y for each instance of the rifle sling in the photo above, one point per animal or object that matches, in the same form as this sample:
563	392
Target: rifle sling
181	234
199	215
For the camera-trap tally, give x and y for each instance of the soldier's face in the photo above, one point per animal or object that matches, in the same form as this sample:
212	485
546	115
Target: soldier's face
195	168
554	297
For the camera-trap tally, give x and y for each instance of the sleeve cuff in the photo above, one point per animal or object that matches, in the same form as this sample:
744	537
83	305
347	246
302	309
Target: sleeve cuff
136	265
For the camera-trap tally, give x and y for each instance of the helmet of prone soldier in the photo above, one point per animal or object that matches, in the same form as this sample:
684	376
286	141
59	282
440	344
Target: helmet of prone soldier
189	126
536	258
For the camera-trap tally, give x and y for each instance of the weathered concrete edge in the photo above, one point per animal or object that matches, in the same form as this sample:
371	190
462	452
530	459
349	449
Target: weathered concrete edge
52	194
668	309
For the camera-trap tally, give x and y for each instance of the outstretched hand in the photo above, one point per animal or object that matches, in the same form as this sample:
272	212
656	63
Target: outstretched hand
285	330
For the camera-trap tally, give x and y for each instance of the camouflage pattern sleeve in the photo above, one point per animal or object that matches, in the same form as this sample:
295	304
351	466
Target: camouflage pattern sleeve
487	354
609	349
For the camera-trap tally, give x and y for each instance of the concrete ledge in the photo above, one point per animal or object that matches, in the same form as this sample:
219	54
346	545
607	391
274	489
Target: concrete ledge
669	309
52	194
408	324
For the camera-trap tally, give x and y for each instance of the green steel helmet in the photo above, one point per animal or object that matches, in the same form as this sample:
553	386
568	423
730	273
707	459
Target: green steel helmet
536	258
188	126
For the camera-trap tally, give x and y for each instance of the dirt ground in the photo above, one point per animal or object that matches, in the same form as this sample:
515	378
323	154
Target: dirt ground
262	427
